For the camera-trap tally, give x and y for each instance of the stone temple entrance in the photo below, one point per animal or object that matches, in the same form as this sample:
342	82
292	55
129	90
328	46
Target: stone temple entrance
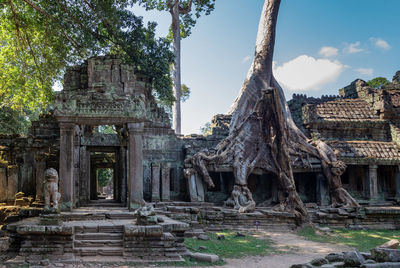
100	92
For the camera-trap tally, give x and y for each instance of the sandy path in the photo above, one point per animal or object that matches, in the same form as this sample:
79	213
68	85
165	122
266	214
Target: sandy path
294	250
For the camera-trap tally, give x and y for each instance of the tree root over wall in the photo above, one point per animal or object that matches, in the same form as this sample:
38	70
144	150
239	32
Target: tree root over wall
263	135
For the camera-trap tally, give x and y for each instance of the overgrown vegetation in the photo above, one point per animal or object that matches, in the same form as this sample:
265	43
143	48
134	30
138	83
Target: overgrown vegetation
378	82
363	240
40	38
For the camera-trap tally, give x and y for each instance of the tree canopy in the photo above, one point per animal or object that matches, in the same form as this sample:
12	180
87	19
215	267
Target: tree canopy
378	82
188	15
39	38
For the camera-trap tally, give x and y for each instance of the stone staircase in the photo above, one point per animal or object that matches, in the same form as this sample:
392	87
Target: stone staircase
102	240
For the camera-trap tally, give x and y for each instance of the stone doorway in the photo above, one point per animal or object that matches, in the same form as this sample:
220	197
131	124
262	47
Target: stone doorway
106	180
102	175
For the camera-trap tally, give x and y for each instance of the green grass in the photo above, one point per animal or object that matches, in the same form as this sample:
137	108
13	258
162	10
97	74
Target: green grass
231	246
363	240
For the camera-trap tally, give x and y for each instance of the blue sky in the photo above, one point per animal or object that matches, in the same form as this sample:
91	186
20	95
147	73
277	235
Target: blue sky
321	46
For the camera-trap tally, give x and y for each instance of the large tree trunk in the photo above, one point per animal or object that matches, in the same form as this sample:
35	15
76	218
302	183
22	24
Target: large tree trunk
263	134
176	33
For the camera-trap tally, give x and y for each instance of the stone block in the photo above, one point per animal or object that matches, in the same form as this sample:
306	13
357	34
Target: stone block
211	258
393	244
385	255
353	258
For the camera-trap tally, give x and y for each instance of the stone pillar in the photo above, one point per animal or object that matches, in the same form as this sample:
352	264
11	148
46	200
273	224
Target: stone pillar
39	174
397	181
84	171
27	183
3	185
373	181
155	182
124	185
322	192
165	182
200	188
12	182
135	165
66	173
192	188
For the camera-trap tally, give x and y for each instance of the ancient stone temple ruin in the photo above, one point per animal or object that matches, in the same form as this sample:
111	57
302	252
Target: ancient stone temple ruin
362	125
143	151
148	160
106	117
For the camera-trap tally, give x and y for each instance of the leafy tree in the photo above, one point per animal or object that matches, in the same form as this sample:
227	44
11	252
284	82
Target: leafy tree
104	176
39	38
183	19
206	129
378	82
13	121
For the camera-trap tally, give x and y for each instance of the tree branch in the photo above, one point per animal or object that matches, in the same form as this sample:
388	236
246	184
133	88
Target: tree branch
187	9
73	42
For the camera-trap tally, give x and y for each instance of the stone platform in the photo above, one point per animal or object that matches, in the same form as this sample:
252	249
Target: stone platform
97	234
200	215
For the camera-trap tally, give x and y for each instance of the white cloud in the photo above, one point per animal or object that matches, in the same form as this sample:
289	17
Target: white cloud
365	71
380	43
307	73
353	48
246	59
328	51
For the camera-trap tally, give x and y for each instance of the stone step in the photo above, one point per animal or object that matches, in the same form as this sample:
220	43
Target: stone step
99	236
98	243
100	251
99	229
120	216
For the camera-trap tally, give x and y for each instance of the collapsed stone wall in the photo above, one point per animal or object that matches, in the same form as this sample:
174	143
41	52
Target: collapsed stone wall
23	158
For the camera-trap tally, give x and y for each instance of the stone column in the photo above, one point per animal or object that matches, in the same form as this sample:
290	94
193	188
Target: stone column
27	183
373	181
135	165
155	182
12	182
397	180
3	185
200	188
124	185
192	188
66	173
165	182
84	171
322	192
39	174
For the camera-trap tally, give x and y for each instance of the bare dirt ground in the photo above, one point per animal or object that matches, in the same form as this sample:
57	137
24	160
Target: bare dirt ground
293	249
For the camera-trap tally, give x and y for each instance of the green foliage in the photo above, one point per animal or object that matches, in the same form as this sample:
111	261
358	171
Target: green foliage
16	121
104	176
185	92
232	246
106	129
206	129
39	39
363	240
187	20
378	82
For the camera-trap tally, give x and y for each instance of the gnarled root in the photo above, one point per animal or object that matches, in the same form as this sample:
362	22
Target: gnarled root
333	169
241	199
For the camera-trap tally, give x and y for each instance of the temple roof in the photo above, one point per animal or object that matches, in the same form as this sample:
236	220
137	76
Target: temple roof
364	150
344	109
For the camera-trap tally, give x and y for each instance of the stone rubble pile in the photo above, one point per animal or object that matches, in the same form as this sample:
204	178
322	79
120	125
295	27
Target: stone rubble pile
385	256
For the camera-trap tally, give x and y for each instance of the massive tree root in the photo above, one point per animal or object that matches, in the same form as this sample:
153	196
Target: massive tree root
263	135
